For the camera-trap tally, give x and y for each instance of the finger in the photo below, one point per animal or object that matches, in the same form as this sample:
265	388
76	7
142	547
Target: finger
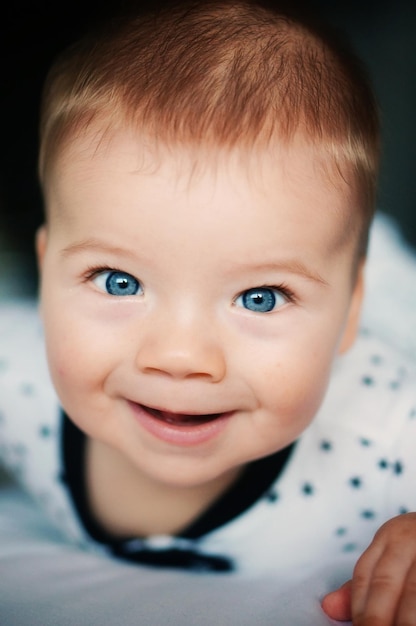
406	612
379	604
362	576
337	604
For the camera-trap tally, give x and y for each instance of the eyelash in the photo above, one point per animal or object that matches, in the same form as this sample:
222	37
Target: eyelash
282	288
94	271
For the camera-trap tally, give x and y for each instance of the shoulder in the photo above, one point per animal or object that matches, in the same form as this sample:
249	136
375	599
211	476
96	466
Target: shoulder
372	390
30	417
20	332
23	366
28	405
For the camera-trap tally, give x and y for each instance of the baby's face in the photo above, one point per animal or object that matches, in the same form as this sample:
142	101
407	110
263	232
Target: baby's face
192	321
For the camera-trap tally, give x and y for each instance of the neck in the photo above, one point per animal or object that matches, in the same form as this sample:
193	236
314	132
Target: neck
126	502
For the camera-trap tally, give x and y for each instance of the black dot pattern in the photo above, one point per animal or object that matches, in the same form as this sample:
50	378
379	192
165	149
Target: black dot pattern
272	496
27	389
308	489
356	482
326	446
368	381
376	359
45	431
350	547
398	467
395	384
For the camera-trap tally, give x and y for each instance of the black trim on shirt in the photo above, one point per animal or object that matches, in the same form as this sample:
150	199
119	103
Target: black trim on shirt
253	483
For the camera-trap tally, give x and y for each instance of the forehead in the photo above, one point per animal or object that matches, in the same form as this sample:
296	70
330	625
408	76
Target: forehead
119	160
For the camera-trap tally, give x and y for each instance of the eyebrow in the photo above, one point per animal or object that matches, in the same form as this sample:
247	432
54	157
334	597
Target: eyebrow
97	245
293	266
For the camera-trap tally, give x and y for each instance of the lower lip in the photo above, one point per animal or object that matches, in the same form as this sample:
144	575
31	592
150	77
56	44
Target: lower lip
184	435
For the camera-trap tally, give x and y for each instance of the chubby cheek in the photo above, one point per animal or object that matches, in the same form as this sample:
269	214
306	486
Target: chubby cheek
70	374
78	361
292	387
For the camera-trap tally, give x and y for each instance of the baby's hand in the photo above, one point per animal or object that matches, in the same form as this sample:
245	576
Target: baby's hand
382	591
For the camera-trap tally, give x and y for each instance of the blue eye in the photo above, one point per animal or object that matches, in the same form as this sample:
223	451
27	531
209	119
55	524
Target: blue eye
261	299
117	283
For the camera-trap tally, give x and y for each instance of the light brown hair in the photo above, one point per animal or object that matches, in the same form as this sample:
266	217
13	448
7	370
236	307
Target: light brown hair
225	73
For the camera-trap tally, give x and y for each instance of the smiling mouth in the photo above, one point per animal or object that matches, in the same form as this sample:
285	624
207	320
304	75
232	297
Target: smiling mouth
181	419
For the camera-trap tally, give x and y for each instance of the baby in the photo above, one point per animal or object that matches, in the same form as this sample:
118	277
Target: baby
209	175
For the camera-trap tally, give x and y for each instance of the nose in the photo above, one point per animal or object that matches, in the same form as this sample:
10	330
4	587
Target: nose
181	350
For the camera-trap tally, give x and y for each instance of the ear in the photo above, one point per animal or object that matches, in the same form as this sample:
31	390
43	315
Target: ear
41	239
353	318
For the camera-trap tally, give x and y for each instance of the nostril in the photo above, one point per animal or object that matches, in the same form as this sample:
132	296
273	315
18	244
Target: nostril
186	371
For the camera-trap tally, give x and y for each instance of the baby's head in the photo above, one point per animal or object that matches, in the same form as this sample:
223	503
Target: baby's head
209	177
221	75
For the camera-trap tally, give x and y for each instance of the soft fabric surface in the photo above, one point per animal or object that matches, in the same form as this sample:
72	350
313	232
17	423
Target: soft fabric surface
46	583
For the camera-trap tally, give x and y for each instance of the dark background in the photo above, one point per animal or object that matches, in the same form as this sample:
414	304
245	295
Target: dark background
32	33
